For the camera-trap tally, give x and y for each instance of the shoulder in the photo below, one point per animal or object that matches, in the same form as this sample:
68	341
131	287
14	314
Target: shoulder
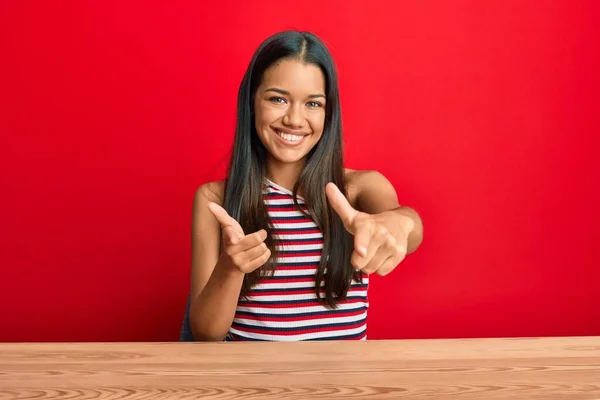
359	176
357	180
366	187
210	192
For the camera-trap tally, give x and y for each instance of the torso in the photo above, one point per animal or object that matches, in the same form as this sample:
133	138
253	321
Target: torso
284	306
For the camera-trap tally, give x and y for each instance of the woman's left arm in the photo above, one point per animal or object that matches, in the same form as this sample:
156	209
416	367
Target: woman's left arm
384	231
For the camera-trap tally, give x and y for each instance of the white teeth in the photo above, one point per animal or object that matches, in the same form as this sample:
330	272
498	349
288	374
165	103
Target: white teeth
291	138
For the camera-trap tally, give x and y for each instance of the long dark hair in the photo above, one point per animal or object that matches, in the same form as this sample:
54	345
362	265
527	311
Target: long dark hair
324	163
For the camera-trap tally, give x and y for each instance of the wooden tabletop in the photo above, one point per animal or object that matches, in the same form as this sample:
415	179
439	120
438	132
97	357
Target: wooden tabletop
527	368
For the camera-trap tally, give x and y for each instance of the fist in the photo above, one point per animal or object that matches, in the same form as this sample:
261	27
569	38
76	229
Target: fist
380	240
244	253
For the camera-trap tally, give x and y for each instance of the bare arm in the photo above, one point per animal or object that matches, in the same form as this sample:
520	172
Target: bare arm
214	289
217	275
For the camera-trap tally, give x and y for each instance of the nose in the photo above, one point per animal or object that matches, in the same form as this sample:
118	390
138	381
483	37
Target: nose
294	117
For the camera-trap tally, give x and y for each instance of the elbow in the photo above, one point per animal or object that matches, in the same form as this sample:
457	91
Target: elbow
204	330
204	333
208	337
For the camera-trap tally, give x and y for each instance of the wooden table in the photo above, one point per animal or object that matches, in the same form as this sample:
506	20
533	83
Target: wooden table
536	368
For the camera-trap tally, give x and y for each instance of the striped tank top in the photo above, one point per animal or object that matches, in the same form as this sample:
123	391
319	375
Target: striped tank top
284	306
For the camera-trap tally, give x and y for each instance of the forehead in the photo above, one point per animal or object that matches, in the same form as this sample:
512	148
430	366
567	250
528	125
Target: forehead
295	76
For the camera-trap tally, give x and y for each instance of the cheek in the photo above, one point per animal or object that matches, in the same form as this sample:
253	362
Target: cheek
266	115
317	122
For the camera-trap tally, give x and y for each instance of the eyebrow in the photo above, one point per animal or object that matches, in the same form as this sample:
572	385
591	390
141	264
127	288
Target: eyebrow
286	93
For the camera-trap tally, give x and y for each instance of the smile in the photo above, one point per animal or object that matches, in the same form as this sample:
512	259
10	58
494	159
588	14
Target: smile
289	138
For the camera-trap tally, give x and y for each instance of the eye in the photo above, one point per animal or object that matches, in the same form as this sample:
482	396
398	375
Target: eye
314	104
279	100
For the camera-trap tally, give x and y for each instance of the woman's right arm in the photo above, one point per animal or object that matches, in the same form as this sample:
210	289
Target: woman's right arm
217	276
214	288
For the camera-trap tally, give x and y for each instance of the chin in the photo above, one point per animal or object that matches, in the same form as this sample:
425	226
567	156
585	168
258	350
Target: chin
288	158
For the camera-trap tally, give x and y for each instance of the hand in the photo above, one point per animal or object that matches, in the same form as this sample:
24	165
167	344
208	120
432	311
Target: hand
242	252
380	240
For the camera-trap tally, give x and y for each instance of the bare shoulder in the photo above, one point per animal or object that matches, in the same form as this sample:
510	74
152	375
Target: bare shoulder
357	180
211	191
354	175
368	188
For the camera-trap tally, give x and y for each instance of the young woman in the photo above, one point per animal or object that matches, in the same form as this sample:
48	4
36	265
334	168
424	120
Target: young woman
282	249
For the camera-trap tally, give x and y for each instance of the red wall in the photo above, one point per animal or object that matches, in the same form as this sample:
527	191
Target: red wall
484	115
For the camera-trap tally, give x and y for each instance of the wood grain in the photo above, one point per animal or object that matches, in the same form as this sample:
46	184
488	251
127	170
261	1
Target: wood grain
525	368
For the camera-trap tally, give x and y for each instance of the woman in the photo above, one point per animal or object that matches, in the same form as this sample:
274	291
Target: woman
282	248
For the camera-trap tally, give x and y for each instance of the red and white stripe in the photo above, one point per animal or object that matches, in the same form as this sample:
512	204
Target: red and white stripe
284	307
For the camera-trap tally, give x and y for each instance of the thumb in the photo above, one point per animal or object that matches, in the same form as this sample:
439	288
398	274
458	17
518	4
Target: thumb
341	206
229	226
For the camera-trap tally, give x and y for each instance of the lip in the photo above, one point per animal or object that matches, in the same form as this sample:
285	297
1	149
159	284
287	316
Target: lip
287	131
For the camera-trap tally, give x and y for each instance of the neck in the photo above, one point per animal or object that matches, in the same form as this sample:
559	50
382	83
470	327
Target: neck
284	174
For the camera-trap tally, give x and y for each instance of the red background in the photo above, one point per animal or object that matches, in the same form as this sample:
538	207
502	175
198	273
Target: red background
484	115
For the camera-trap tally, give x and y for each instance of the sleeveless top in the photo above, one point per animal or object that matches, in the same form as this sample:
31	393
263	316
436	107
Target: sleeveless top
284	306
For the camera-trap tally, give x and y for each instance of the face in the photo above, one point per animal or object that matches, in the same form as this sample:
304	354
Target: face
289	110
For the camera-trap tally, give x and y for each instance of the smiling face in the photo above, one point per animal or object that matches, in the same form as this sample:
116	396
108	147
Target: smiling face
289	110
